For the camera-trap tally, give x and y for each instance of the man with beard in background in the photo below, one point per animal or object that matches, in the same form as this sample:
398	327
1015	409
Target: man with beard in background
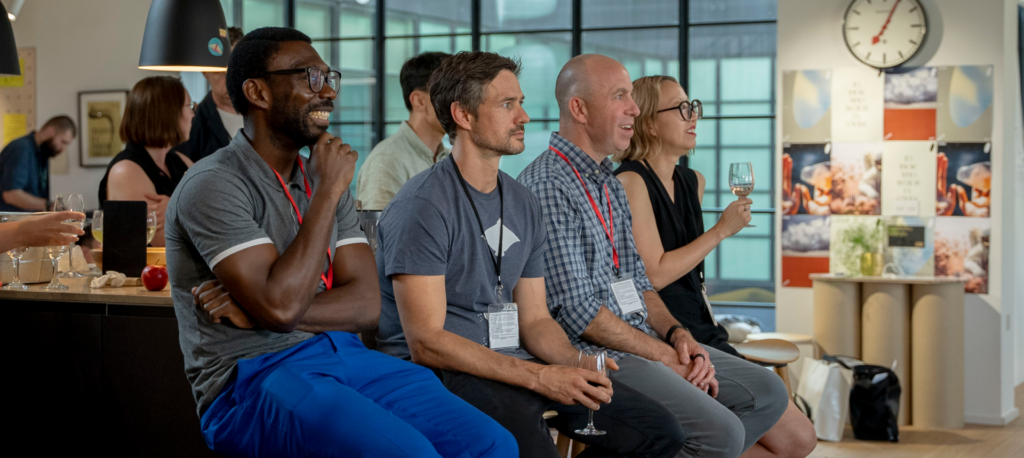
25	165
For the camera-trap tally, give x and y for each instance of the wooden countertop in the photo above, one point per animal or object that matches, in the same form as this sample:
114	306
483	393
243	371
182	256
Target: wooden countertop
79	291
900	279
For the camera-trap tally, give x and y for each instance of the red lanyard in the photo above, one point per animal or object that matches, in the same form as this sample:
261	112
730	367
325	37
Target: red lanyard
609	229
329	278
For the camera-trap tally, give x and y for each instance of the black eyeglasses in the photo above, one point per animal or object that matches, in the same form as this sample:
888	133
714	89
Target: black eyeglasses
687	109
316	77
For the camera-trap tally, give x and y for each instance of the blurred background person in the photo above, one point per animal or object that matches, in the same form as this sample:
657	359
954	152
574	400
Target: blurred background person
158	116
216	121
414	148
25	165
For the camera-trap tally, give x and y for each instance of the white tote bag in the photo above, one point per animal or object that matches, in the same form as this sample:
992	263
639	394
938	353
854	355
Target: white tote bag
826	389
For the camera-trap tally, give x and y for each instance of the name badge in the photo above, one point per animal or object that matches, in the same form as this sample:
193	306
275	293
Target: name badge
626	296
707	303
503	325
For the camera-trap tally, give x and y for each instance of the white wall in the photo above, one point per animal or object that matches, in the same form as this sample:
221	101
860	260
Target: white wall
979	32
81	45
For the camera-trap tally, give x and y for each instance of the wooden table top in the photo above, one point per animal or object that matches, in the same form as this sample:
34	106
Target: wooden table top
79	291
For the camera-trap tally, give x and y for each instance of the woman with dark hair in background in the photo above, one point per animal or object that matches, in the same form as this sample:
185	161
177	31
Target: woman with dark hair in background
157	117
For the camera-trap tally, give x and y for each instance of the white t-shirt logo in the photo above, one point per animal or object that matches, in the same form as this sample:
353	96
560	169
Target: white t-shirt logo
492	238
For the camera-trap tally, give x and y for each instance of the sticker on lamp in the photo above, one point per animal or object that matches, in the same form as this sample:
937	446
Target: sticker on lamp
216	47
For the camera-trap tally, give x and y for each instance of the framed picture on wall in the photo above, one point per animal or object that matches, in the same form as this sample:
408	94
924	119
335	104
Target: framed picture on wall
99	114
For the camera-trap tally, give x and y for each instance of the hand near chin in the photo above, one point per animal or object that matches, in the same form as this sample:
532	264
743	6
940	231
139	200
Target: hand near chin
335	162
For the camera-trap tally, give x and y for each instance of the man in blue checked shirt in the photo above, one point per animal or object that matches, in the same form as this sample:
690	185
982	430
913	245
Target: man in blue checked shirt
598	291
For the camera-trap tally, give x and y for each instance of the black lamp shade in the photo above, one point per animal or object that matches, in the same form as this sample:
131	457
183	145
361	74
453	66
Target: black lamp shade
8	49
185	36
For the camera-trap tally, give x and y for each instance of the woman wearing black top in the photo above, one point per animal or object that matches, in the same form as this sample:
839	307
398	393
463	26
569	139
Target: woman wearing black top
668	227
157	117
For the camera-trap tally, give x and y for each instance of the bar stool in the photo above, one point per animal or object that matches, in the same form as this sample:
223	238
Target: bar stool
567	448
776	353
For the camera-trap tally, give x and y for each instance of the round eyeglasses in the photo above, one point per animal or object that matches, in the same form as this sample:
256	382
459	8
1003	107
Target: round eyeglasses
687	109
315	76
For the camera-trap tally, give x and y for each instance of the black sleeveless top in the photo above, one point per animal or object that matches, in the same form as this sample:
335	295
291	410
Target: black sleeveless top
137	153
679	224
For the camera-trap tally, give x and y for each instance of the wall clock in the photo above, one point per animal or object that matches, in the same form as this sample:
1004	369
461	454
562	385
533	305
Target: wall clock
884	33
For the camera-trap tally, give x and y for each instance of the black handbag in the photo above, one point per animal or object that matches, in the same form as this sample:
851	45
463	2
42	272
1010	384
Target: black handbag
875	403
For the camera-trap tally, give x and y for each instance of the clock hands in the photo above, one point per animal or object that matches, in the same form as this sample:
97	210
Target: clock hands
876	38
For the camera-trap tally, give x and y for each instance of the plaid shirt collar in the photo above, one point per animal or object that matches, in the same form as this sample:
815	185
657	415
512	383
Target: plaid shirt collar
584	164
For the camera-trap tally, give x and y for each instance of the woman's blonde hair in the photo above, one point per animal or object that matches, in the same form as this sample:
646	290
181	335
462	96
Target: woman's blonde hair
646	94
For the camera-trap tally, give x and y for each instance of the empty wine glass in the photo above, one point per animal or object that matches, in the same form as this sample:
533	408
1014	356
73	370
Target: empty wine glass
593	361
55	252
150	227
75	203
15	254
741	180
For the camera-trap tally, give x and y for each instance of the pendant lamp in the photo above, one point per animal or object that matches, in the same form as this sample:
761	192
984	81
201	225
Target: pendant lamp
8	49
185	36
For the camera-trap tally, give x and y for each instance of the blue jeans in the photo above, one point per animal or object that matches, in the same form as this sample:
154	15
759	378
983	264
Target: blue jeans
330	396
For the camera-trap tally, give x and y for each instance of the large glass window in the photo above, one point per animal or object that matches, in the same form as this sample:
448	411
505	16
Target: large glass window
727	60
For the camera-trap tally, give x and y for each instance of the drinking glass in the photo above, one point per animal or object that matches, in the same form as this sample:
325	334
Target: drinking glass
75	203
15	254
97	225
60	204
150	227
741	179
593	361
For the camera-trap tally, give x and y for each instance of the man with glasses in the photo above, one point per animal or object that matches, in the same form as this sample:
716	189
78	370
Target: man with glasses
270	284
597	288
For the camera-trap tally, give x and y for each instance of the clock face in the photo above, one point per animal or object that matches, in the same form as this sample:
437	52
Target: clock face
884	33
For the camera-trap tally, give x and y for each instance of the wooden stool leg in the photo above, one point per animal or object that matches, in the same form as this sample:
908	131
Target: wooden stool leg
577	448
562	443
783	372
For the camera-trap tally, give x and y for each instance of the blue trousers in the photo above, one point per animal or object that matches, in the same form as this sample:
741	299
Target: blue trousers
331	397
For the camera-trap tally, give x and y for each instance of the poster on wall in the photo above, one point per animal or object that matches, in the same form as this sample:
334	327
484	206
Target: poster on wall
857	105
910	103
99	112
18	105
805	241
908	182
964	108
910	246
856	178
806	106
850	237
806	179
964	179
961	250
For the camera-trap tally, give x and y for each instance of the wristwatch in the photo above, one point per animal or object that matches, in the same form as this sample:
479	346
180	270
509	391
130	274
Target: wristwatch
668	335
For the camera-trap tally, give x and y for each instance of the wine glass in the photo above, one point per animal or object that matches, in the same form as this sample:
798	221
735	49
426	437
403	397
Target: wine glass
593	361
75	203
55	252
741	180
15	254
97	225
150	227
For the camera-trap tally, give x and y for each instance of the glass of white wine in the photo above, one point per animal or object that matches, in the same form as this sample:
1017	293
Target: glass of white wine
741	180
150	227
593	361
74	203
15	254
97	225
55	252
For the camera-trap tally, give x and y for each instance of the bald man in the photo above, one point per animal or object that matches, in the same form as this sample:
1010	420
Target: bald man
598	291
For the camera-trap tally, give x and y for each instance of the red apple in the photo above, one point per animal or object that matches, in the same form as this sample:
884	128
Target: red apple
154	278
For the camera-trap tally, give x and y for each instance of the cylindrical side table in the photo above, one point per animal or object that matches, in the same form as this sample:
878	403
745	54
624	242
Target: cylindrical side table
885	327
937	346
837	317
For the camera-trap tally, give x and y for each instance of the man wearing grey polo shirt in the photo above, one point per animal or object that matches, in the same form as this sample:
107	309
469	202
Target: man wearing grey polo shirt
269	281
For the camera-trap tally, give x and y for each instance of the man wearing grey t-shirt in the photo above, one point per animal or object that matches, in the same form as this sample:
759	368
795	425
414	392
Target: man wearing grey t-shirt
269	281
461	268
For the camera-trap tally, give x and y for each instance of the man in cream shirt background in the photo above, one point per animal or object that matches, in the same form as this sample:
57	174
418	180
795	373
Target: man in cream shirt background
414	148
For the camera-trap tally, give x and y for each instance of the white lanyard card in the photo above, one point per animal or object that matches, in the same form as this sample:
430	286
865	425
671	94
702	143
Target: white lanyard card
626	296
503	325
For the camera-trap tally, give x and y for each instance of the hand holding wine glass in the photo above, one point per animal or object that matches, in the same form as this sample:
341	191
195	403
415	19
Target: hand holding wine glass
741	180
60	204
594	362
